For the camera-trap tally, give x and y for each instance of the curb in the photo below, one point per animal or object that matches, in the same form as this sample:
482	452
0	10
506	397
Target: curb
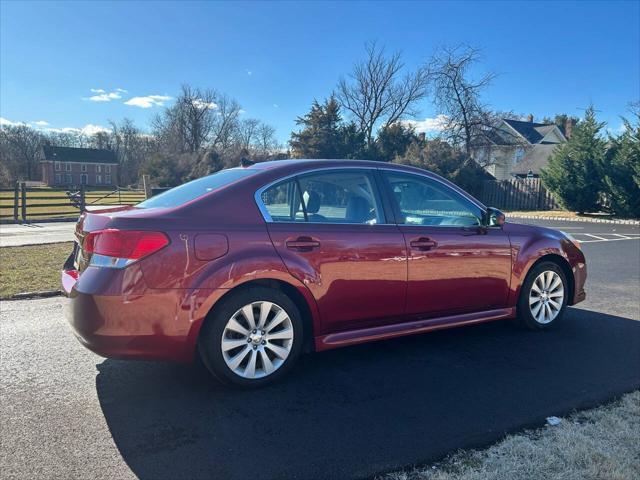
30	295
576	219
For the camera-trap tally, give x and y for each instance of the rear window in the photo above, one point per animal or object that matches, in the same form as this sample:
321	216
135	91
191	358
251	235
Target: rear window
196	188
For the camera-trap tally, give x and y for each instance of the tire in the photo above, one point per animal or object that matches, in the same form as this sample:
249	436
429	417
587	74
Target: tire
543	313
269	346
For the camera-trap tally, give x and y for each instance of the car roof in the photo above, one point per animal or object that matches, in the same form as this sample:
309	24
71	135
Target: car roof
300	162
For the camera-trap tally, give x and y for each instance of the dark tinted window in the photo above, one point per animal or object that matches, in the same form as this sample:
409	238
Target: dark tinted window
196	188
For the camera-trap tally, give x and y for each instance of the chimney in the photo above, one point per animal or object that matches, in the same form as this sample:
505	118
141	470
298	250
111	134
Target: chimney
568	127
530	118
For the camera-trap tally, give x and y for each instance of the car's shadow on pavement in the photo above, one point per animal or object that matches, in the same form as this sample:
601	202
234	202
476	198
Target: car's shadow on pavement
353	412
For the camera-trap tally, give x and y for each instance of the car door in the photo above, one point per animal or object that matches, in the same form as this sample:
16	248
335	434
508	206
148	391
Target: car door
456	265
330	229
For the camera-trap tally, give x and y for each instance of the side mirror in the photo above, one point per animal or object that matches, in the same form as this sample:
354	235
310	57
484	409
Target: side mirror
494	218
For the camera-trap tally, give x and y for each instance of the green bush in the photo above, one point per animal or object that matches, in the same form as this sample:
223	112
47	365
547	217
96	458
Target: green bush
574	171
622	172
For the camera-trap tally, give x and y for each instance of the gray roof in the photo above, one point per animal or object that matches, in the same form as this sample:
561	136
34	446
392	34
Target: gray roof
82	155
531	131
535	159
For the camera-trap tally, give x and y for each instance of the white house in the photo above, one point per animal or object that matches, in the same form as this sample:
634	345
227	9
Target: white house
520	148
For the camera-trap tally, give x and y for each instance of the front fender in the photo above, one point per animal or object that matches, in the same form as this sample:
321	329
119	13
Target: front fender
529	244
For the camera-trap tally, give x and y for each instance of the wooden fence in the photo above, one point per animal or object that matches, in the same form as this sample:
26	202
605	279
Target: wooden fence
23	204
517	194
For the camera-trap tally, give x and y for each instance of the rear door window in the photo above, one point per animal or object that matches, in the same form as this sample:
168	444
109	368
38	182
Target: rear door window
344	196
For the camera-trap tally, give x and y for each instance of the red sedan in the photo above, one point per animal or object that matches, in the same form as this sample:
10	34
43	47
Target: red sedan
250	266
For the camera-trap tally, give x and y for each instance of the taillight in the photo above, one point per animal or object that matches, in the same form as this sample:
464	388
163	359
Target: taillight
118	248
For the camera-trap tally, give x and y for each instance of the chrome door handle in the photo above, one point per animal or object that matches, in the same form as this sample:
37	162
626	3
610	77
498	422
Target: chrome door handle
423	244
302	244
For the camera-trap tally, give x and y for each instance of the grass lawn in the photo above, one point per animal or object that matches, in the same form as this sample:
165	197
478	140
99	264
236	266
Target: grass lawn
601	443
32	268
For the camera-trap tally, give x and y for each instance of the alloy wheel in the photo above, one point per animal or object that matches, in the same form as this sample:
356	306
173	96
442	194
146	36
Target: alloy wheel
257	339
546	297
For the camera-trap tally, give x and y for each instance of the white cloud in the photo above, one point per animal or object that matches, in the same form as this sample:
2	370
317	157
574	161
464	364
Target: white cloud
41	123
102	95
275	105
241	111
89	129
202	104
8	123
249	72
428	125
148	101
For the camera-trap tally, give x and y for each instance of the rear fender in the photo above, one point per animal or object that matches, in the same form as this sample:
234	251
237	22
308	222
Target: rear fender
201	301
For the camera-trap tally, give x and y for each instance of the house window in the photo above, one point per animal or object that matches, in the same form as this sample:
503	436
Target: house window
83	167
69	178
67	167
107	179
98	168
58	178
84	178
98	179
518	154
58	167
107	169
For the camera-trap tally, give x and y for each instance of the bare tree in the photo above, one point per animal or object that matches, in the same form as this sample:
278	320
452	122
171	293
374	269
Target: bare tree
247	132
225	122
266	142
20	151
187	125
470	123
378	94
132	147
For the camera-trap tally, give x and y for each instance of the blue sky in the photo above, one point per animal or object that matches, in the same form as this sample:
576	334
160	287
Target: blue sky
275	58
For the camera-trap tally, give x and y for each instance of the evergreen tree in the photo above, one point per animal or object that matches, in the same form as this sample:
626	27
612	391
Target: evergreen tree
573	174
622	171
393	141
323	134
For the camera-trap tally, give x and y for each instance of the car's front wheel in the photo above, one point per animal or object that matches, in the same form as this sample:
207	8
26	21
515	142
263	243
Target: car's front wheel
253	338
543	298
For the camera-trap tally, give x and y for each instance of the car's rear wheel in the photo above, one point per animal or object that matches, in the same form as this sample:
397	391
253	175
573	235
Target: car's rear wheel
543	298
253	338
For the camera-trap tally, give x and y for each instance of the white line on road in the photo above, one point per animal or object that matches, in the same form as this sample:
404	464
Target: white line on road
596	236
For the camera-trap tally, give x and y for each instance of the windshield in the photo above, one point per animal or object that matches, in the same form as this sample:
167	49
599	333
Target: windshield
196	188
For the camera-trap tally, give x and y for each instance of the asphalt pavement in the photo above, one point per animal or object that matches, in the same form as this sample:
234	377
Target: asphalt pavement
13	235
347	413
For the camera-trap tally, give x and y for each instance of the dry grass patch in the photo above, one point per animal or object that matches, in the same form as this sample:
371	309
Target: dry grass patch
563	214
32	268
603	443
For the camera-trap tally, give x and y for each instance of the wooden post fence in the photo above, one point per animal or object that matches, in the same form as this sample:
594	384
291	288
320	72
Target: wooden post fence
16	201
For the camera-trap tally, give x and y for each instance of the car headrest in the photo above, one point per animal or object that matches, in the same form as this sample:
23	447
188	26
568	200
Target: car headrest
357	209
312	201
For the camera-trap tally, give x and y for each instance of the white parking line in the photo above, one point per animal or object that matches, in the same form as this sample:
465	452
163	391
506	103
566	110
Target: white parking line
601	238
595	236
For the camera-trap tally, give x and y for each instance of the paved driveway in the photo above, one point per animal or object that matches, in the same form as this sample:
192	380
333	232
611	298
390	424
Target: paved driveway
349	413
36	233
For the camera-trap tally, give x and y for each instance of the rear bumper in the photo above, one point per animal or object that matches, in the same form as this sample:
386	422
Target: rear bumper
149	326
